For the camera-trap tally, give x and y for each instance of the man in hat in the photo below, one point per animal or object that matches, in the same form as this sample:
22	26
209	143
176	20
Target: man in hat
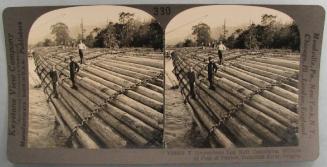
54	79
221	49
212	69
81	49
191	80
73	69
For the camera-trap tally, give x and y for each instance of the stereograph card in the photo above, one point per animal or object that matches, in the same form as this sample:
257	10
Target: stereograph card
163	84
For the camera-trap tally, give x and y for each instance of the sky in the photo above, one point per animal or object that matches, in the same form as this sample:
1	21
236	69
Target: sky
180	27
93	16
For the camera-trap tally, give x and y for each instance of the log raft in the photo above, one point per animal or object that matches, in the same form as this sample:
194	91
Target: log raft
254	102
110	108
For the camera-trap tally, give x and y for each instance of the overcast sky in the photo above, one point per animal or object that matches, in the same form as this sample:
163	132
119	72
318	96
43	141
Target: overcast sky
180	27
93	16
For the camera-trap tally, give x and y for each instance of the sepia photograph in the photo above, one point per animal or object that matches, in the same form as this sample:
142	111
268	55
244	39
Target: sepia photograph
162	84
96	79
231	78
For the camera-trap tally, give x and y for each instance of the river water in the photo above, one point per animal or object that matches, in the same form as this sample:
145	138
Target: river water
42	131
180	130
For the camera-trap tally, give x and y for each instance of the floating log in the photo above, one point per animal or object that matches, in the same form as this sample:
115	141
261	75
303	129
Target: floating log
289	64
100	90
263	119
270	115
208	122
149	99
111	116
144	61
272	70
269	80
83	138
248	138
270	65
133	119
138	66
243	92
106	133
286	80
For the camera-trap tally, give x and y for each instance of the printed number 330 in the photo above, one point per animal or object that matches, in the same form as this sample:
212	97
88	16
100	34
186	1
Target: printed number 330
161	11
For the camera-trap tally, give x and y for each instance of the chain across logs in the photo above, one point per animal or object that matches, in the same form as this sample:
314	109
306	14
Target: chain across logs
236	108
146	126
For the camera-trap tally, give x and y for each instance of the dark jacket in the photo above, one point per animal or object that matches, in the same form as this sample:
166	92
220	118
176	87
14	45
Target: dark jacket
73	68
191	76
212	68
53	75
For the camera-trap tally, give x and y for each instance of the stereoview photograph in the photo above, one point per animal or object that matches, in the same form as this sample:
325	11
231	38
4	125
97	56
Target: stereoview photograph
231	78
95	79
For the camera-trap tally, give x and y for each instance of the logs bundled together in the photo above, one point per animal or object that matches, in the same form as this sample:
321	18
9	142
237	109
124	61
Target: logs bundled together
254	102
119	100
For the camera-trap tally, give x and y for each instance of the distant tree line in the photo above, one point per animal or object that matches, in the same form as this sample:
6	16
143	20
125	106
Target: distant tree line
268	35
128	32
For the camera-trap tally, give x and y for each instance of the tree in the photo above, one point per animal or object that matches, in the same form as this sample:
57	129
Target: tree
48	42
268	23
188	43
141	36
267	20
128	32
126	17
90	39
246	39
294	39
156	35
202	33
106	38
231	41
179	45
268	34
126	28
61	32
